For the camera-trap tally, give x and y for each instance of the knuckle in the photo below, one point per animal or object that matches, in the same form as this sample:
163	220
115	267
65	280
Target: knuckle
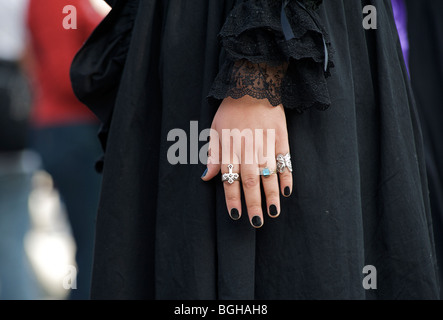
273	195
250	181
254	209
232	197
286	176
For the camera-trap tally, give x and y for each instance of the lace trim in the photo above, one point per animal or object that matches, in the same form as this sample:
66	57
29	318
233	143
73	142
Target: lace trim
258	80
298	85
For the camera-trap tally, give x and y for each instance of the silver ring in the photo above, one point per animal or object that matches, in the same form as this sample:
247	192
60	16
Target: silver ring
284	161
266	172
230	177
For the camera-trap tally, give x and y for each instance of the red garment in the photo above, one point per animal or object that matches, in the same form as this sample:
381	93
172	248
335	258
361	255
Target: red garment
54	48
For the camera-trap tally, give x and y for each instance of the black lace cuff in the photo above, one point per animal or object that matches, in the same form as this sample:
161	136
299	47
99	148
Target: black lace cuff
266	61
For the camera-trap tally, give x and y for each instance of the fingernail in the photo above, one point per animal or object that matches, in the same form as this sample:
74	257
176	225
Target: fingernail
257	222
273	212
287	191
235	215
204	173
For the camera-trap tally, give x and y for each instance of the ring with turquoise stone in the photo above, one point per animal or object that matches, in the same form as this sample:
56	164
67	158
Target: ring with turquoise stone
266	172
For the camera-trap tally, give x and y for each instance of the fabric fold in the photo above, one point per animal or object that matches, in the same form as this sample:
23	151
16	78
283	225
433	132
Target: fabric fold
95	74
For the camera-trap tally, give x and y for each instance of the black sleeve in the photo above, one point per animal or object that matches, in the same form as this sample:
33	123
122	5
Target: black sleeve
111	3
275	50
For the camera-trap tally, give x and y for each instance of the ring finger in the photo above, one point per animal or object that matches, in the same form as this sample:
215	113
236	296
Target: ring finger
270	180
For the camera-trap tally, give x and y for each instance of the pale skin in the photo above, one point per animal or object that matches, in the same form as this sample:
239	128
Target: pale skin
250	113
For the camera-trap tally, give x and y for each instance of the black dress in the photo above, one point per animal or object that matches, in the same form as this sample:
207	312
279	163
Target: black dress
360	195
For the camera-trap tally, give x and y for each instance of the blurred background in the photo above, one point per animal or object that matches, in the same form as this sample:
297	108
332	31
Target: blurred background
49	189
48	147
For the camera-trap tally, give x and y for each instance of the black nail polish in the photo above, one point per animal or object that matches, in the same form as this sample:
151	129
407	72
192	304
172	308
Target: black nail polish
257	222
204	173
287	191
235	215
273	212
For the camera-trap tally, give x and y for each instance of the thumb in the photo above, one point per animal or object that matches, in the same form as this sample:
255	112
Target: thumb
211	171
214	158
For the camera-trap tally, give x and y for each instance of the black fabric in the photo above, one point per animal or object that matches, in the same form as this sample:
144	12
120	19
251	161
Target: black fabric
425	28
360	195
111	2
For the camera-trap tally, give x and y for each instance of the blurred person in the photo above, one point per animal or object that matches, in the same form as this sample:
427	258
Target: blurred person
17	162
64	130
425	33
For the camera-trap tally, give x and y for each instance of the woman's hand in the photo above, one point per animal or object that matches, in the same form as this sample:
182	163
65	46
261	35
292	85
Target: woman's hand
250	133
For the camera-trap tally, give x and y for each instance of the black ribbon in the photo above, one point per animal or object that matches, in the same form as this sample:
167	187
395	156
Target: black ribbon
289	33
286	26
